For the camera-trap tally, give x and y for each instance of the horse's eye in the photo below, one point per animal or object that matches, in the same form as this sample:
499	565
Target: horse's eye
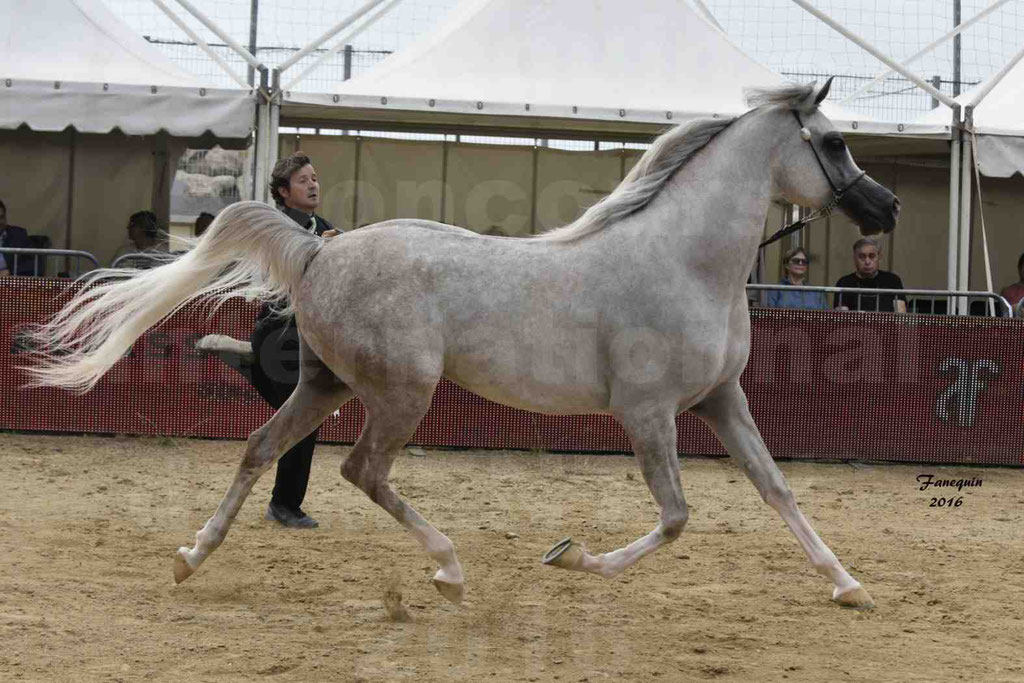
836	144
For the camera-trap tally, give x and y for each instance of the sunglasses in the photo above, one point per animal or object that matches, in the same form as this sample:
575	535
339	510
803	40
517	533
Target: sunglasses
798	261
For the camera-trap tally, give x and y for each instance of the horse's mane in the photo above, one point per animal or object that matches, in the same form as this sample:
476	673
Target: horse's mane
668	153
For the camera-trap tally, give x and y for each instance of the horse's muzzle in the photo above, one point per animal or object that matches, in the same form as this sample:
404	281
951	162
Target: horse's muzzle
871	206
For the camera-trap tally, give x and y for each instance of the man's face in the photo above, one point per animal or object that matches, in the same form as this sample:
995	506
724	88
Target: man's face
303	191
865	260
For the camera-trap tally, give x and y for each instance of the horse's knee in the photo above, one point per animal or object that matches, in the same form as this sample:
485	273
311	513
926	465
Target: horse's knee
672	525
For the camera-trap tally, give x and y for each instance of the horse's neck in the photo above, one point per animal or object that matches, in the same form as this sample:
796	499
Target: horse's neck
711	214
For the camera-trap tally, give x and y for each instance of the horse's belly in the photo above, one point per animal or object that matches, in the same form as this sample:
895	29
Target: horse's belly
544	377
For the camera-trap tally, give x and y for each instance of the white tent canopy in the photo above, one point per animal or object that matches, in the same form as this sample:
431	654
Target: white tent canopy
73	63
644	61
997	122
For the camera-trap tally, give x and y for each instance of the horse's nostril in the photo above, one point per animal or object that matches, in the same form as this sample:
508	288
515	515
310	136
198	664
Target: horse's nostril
895	205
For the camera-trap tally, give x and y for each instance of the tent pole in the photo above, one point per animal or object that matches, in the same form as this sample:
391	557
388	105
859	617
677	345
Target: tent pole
963	270
228	40
954	216
331	32
957	30
876	53
343	44
202	44
261	175
983	92
273	129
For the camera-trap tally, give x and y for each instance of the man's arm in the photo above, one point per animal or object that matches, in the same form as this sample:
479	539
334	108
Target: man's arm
901	300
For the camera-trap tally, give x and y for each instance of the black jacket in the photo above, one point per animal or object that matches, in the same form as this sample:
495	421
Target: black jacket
17	238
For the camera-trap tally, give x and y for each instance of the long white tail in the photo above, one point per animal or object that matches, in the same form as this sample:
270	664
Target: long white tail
251	249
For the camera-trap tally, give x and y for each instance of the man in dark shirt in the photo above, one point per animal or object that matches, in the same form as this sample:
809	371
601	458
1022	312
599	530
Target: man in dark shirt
275	342
866	254
13	237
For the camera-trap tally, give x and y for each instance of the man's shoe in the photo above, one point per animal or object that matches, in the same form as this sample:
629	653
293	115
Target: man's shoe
293	519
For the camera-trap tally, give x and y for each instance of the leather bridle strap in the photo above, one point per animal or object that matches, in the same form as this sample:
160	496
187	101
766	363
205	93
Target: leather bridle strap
823	212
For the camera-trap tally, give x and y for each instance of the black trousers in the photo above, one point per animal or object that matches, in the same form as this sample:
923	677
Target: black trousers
275	374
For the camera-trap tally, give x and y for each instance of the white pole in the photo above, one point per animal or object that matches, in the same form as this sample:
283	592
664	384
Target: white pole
964	265
203	45
347	38
253	62
261	176
877	54
273	135
333	31
954	218
983	92
923	51
711	17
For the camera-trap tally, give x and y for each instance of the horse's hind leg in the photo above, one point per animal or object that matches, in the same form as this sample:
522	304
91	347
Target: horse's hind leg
652	432
726	412
318	394
390	423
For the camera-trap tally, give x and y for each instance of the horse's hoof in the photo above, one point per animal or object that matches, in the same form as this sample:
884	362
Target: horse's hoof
452	592
857	598
182	569
566	554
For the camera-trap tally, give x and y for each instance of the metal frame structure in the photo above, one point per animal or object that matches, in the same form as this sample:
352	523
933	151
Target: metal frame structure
37	254
952	296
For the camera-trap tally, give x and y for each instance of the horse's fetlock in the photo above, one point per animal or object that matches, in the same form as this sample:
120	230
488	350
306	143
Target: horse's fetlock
672	526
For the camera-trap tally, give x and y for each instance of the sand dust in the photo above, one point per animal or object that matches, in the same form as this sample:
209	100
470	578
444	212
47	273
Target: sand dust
89	526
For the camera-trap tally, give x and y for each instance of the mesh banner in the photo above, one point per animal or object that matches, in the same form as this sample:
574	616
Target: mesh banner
821	384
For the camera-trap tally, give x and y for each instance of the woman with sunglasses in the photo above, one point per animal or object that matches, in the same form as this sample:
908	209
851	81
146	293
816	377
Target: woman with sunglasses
795	265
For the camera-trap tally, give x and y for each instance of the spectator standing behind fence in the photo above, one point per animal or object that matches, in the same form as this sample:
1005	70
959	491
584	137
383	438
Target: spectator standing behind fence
13	237
275	343
795	264
1014	293
866	275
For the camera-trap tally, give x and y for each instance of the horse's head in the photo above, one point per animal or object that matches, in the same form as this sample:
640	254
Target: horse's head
815	169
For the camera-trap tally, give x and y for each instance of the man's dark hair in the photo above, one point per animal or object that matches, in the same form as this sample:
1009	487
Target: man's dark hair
147	222
283	171
203	221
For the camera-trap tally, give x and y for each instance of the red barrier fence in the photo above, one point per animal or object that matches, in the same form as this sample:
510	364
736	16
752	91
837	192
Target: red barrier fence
821	384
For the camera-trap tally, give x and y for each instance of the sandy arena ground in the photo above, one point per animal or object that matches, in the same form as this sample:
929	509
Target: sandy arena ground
89	526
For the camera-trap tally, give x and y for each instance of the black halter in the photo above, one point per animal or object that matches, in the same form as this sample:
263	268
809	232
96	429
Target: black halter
837	194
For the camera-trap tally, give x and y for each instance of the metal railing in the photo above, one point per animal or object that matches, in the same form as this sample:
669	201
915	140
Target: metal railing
924	301
143	260
38	259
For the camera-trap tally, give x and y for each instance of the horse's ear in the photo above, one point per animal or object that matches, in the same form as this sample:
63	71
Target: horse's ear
814	97
823	93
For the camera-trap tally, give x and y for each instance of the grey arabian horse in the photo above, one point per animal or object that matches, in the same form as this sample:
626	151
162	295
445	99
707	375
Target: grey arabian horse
637	310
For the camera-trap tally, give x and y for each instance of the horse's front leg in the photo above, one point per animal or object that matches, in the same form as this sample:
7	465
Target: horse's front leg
652	431
317	395
726	412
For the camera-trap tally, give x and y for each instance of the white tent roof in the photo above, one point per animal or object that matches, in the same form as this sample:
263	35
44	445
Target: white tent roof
642	61
998	123
74	63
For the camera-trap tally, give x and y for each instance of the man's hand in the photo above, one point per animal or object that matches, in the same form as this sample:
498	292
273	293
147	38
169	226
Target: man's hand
328	234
